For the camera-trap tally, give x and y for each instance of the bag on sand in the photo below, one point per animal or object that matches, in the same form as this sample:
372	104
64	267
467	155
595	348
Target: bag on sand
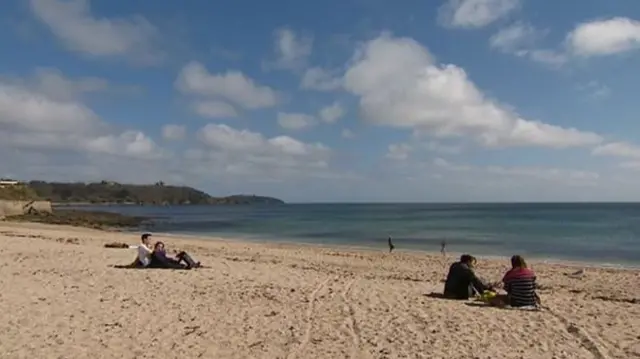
487	296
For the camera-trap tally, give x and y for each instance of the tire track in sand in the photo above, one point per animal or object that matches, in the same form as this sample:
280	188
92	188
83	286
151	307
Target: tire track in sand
351	323
309	314
585	339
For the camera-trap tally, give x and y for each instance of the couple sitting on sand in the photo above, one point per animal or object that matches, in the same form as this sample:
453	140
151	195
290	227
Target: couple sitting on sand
158	258
519	283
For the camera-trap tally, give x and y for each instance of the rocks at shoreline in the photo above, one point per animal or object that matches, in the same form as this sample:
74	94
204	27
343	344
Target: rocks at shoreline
78	218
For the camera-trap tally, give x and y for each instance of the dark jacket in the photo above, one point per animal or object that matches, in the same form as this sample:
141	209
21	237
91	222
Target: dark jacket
159	259
461	281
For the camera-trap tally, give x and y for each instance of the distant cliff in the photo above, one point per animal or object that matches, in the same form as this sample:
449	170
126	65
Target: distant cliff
106	192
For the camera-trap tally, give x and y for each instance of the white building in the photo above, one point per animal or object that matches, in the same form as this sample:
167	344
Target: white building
8	182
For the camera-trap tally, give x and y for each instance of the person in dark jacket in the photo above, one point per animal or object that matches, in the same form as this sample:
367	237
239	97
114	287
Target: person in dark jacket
461	281
159	259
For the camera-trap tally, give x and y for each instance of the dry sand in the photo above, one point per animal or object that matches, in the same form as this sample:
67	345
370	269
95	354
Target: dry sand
61	298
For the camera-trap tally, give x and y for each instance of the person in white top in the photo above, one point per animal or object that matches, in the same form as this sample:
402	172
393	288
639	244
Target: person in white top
144	250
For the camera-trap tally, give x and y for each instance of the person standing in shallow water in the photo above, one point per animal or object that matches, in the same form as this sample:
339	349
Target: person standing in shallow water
391	246
443	246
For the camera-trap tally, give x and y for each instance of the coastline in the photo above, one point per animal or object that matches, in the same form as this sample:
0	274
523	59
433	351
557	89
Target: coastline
270	300
383	248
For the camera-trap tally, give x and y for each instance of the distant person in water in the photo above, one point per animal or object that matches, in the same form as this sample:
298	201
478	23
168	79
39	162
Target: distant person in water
443	245
391	246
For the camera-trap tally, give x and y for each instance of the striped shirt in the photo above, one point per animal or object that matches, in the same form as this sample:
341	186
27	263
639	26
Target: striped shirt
520	284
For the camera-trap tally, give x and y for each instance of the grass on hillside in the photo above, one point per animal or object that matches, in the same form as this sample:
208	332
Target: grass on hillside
18	193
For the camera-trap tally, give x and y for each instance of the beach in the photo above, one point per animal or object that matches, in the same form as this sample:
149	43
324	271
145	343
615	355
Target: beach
62	298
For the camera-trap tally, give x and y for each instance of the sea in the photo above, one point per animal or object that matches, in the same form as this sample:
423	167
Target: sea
597	233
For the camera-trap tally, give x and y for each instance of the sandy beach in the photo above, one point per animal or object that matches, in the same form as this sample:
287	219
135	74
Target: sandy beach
62	298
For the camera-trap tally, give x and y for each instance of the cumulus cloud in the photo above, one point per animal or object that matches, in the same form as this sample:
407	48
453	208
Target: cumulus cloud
568	176
73	24
234	86
475	13
174	132
292	50
347	133
133	144
618	149
332	113
520	39
214	109
295	121
550	57
398	152
53	84
595	90
251	152
604	37
319	79
514	38
32	120
399	85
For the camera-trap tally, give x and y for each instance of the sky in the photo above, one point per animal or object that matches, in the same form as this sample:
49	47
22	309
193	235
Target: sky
327	101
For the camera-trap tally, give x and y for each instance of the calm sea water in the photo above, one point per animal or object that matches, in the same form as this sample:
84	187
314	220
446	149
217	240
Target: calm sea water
597	233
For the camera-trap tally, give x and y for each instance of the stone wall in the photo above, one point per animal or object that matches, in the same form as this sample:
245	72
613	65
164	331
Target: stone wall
14	208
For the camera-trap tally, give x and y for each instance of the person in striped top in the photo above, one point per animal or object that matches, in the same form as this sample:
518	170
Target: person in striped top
520	284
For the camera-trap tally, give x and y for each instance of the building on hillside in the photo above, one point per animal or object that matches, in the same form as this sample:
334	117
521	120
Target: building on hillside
6	182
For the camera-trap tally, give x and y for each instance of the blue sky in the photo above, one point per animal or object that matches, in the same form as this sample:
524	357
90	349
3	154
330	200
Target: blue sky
357	100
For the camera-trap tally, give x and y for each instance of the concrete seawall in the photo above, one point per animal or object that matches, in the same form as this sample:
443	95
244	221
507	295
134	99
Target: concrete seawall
14	208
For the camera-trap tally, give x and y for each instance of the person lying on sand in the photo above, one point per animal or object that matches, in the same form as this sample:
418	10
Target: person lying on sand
160	259
462	282
520	285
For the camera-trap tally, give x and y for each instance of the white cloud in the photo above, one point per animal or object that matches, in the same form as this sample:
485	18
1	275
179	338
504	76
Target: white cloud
442	163
399	85
134	144
514	37
618	149
72	22
318	79
332	113
595	90
249	151
214	109
569	176
442	148
604	37
347	133
32	111
52	83
33	120
295	121
631	165
475	13
545	173
233	86
174	132
520	39
549	57
398	152
292	50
